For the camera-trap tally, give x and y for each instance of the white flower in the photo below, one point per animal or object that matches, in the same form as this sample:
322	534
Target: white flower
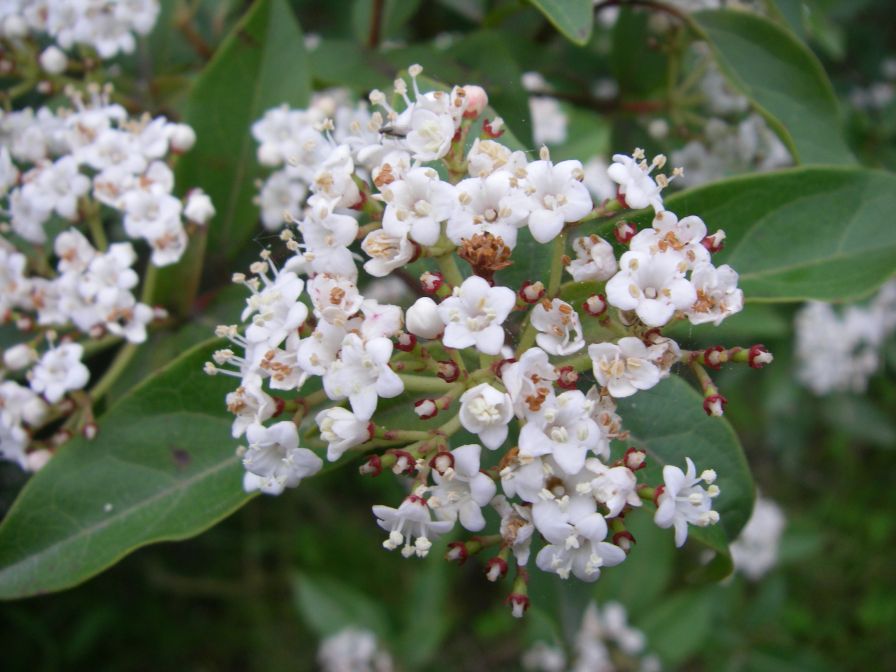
653	286
595	259
379	320
353	650
199	207
410	524
525	477
430	134
274	306
486	412
559	327
280	199
362	374
490	204
487	156
275	458
327	237
718	296
334	179
624	367
549	121
59	371
755	551
566	432
20	404
335	298
632	174
386	252
462	490
251	405
671	234
528	382
53	60
416	204
73	250
423	318
576	533
342	430
516	527
613	486
683	500
58	187
473	315
557	196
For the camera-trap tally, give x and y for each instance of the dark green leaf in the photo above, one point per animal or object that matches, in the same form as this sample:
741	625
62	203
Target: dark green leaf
162	468
260	65
573	18
782	78
328	606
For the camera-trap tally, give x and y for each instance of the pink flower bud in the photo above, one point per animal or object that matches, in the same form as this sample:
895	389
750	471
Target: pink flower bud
495	568
635	458
531	292
759	356
476	99
715	405
431	282
518	604
405	342
624	232
426	408
595	305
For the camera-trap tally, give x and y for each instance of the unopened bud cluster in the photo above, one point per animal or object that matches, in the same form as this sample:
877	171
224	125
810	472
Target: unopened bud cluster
532	372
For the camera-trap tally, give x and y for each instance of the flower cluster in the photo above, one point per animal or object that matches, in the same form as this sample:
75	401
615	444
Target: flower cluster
755	551
528	375
108	26
65	173
605	642
838	351
353	649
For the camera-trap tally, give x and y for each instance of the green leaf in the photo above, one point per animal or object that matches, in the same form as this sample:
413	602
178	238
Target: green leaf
679	625
782	78
573	18
260	65
162	468
806	233
669	423
328	605
426	606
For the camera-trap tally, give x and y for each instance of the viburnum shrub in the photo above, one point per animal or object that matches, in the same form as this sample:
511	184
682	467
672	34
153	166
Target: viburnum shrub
532	375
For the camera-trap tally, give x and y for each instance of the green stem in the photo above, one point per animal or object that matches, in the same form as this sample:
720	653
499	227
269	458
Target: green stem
556	265
449	269
95	224
116	368
414	383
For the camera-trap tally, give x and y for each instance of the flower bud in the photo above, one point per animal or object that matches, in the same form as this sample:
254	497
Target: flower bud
759	356
567	378
181	138
448	371
715	242
37	459
442	462
624	540
714	404
53	60
493	129
495	568
405	342
476	99
199	208
635	458
532	292
426	408
457	552
518	604
14	27
624	232
595	305
19	356
431	282
372	466
714	357
422	319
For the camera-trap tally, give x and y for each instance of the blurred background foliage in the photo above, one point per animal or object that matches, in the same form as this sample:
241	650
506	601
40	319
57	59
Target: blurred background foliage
259	590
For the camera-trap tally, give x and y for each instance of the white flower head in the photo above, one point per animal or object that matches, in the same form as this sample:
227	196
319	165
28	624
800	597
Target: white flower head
342	430
462	490
494	204
486	411
624	367
59	371
565	431
417	204
718	295
473	315
362	374
595	259
559	327
557	196
275	458
410	524
653	286
684	500
529	382
575	532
